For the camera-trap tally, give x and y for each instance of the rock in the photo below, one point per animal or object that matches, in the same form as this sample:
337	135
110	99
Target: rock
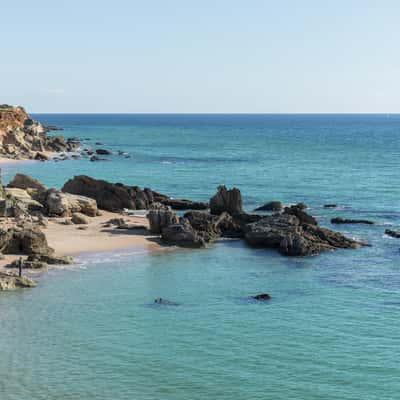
21	198
12	282
182	234
339	220
67	222
25	182
292	237
62	204
204	224
82	227
109	196
103	152
331	205
228	226
159	219
301	215
95	158
262	297
50	259
41	156
395	234
116	221
28	264
271	206
43	221
24	240
226	200
301	206
183	204
79	219
165	302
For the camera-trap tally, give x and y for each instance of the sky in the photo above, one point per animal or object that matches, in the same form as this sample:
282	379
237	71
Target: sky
184	56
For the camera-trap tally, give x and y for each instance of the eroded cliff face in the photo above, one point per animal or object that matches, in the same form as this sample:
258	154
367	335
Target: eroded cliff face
21	137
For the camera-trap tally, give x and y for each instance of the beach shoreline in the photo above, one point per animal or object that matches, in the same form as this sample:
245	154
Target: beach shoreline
95	237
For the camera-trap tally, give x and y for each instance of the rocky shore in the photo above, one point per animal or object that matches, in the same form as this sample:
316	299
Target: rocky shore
22	138
93	211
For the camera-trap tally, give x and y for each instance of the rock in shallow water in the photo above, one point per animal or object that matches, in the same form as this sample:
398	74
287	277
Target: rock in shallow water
394	234
271	206
292	237
339	220
262	297
12	282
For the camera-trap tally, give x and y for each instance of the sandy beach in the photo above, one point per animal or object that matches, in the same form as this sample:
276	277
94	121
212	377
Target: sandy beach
95	237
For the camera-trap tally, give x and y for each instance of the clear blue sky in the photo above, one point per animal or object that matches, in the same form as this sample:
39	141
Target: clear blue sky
200	56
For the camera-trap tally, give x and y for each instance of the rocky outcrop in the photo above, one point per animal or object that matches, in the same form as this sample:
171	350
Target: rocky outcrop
294	237
229	200
12	282
183	204
23	138
27	239
339	220
117	196
304	218
182	234
60	204
271	206
22	181
159	219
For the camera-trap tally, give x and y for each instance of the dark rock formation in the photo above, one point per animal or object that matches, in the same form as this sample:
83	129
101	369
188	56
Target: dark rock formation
182	234
229	200
339	220
271	206
165	302
332	205
159	219
183	204
103	152
395	234
293	237
262	297
301	215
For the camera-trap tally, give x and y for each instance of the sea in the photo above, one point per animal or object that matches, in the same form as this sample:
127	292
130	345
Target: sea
330	331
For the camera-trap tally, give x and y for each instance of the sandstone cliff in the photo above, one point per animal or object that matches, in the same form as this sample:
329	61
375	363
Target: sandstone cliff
21	137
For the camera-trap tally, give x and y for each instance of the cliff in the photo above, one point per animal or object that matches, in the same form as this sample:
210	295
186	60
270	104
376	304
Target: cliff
21	137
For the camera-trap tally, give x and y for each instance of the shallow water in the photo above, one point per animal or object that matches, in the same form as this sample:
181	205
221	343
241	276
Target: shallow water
331	330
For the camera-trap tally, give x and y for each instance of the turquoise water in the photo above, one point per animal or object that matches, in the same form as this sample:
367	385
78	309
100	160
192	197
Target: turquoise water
331	330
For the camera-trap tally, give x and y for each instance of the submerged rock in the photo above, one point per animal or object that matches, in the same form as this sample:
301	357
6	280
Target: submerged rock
165	302
103	152
394	234
339	220
262	297
332	205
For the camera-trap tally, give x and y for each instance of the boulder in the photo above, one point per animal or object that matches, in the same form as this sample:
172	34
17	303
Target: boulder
79	219
26	239
50	259
22	181
22	199
229	200
159	219
293	237
339	220
12	282
109	196
271	206
204	224
182	234
62	204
